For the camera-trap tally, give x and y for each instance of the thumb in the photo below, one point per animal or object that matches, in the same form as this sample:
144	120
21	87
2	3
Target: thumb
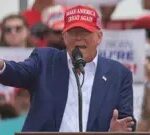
115	114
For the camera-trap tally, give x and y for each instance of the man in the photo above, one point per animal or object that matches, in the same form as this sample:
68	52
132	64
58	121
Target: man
144	122
107	90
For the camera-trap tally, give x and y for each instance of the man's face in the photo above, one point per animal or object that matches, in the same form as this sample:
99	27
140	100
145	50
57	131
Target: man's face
86	41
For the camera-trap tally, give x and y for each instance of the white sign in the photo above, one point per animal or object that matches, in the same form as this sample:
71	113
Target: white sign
8	7
16	54
127	47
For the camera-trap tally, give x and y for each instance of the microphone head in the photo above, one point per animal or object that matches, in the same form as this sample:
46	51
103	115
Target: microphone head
76	53
77	59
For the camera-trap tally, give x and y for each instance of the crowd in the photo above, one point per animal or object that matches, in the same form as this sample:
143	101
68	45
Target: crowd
42	26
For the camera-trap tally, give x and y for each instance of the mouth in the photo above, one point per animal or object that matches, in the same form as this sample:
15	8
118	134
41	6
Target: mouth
81	46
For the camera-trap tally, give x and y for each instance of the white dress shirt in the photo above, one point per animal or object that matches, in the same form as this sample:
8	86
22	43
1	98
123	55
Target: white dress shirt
70	120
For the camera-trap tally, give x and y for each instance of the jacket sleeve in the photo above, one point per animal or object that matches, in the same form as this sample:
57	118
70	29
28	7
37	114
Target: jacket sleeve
126	97
21	74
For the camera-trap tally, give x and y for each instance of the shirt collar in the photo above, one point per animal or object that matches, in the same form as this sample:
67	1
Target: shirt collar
89	66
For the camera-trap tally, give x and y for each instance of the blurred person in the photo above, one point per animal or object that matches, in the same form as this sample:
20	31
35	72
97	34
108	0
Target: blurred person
38	34
49	30
7	101
7	109
144	123
13	114
8	93
48	74
146	4
53	17
33	15
22	101
15	32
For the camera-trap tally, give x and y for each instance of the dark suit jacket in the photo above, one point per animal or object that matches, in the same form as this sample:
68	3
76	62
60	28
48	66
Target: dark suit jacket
45	73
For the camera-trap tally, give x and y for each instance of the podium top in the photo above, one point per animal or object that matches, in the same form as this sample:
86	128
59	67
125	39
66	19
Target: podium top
85	133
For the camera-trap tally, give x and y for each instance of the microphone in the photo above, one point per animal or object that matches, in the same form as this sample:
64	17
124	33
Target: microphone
78	63
77	60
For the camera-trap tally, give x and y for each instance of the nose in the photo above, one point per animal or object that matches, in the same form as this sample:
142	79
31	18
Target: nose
78	36
13	31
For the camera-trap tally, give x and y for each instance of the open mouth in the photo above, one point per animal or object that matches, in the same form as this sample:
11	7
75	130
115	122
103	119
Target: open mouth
81	46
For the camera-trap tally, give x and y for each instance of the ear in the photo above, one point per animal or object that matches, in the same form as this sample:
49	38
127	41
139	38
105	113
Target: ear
64	36
99	35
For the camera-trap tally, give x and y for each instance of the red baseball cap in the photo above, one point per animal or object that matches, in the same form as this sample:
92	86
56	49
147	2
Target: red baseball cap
54	17
142	22
82	16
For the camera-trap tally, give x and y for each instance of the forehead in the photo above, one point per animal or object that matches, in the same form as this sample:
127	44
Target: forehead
13	21
78	29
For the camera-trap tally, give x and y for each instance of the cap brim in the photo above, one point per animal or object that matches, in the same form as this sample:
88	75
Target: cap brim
82	25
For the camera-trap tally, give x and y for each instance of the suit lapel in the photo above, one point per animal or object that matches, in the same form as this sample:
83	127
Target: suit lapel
60	81
99	90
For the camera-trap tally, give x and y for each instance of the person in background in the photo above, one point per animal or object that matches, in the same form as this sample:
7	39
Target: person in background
144	123
49	30
33	15
7	111
14	103
15	32
146	4
53	17
17	105
22	101
48	75
7	101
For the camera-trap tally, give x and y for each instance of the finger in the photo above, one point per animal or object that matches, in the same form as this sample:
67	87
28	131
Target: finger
129	129
128	119
115	114
130	124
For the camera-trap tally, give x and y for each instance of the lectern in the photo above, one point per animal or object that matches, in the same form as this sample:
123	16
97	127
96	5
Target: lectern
85	133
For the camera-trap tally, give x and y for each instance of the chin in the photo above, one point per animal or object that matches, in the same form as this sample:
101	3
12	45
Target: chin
87	59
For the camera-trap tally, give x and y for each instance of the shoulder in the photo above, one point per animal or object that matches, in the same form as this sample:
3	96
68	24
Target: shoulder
114	66
45	51
48	54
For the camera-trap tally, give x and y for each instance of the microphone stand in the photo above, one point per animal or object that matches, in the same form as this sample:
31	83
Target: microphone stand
79	99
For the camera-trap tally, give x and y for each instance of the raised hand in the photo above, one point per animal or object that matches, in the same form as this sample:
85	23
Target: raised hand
122	125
